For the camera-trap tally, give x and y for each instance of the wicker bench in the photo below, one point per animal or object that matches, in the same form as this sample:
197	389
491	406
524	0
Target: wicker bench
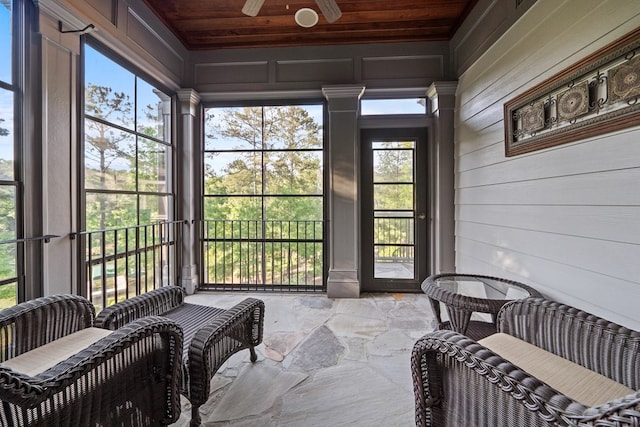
57	370
549	365
211	335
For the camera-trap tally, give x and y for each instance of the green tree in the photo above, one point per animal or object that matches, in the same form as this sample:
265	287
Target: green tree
7	225
7	232
393	177
282	170
104	146
274	175
3	131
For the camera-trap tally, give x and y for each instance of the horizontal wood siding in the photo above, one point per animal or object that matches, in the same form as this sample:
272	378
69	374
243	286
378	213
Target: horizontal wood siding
565	220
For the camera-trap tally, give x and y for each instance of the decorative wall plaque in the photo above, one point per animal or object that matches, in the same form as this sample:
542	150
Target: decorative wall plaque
532	117
599	94
624	81
574	102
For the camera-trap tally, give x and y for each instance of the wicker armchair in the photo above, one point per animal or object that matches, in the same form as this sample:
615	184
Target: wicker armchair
211	335
128	377
457	381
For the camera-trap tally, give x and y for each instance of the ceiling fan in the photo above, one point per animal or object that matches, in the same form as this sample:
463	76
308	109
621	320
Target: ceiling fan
329	9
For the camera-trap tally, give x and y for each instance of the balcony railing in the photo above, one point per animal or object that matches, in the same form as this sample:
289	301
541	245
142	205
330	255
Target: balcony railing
263	255
12	274
128	261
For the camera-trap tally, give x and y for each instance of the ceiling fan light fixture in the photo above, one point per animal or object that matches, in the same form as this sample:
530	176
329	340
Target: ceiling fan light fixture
252	7
330	10
306	17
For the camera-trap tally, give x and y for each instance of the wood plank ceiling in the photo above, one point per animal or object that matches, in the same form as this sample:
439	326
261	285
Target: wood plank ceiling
220	24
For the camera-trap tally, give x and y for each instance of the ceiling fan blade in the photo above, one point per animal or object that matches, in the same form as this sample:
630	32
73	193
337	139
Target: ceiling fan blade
329	9
252	7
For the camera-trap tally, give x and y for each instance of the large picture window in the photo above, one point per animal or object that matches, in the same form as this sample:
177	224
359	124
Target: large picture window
127	147
263	197
128	190
8	139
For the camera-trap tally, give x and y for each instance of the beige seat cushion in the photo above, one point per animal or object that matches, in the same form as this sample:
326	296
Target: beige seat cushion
44	357
578	383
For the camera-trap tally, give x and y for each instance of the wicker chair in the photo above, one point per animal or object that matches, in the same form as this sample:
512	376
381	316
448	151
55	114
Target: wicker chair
211	335
128	377
458	381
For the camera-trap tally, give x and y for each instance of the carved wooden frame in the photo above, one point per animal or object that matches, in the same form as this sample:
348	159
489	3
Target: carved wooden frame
599	94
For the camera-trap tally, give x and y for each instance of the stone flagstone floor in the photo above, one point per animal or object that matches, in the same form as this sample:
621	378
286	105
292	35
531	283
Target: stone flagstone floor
324	362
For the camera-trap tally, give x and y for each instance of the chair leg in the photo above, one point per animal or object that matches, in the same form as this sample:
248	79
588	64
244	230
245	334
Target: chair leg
195	416
254	356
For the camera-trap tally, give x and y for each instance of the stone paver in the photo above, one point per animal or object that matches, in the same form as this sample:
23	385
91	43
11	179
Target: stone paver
321	349
360	397
255	390
324	362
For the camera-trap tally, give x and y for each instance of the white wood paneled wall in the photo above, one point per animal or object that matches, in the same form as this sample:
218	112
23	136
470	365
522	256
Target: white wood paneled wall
565	220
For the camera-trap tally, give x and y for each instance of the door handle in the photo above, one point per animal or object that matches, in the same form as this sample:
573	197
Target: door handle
422	216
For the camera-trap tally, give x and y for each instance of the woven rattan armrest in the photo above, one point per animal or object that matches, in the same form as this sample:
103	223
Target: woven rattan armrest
53	317
486	370
583	338
154	343
240	327
212	335
153	303
457	381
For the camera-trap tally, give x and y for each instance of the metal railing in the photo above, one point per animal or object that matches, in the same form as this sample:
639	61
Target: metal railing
12	277
394	254
263	255
394	239
123	262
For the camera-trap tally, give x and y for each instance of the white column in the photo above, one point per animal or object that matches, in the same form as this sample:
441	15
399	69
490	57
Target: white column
188	101
50	158
442	97
344	213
